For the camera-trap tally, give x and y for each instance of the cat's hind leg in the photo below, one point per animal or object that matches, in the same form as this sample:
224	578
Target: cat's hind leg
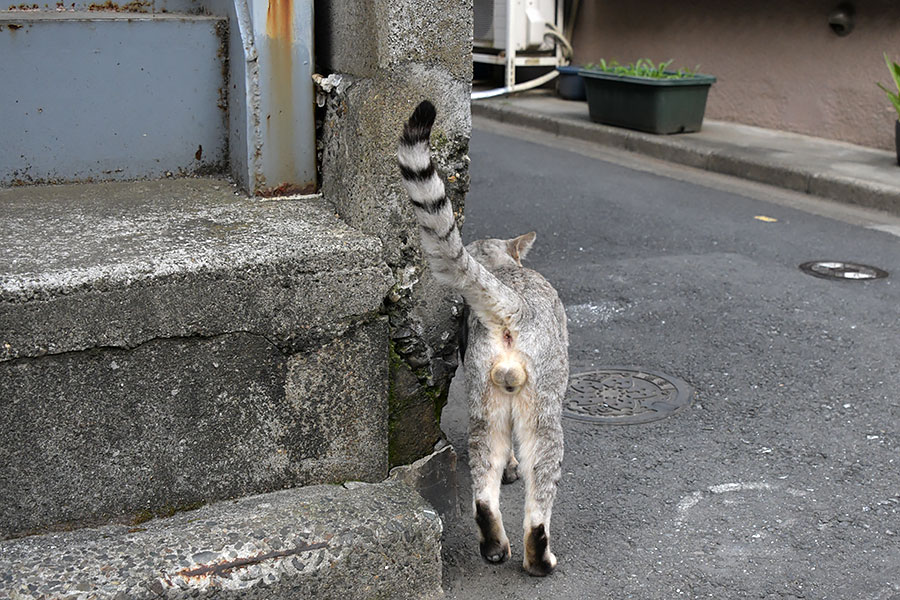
511	471
489	450
540	455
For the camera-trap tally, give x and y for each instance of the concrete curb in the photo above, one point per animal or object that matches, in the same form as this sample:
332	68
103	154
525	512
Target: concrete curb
810	173
356	541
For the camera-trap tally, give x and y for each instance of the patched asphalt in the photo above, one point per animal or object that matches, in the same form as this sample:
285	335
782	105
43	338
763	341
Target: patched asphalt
782	480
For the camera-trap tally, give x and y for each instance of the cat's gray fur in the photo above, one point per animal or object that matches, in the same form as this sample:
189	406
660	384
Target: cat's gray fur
515	360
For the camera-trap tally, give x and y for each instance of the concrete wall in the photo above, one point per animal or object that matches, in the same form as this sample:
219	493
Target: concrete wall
391	55
779	65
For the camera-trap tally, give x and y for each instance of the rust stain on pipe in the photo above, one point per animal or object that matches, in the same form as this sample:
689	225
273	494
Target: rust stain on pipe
287	189
279	19
280	121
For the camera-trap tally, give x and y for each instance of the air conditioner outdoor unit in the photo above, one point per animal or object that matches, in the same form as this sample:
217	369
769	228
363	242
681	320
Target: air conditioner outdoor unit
519	33
530	29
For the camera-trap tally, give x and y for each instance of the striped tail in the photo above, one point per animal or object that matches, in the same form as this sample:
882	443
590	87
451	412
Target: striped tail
489	299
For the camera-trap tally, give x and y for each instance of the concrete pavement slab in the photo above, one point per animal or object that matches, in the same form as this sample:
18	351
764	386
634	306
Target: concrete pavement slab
780	480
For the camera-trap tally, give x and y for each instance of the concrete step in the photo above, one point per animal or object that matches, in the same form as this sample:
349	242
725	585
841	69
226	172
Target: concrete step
370	541
103	95
170	343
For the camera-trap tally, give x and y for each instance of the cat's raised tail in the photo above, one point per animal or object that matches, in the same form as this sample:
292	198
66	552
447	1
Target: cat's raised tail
491	301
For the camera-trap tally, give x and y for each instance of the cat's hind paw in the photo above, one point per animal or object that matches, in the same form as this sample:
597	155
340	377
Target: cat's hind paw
539	561
494	544
510	474
495	551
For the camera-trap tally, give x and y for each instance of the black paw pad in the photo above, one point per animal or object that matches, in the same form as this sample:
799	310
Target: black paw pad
494	552
492	548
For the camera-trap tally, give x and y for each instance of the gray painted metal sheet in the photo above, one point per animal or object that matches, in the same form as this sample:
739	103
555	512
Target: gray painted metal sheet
101	96
125	6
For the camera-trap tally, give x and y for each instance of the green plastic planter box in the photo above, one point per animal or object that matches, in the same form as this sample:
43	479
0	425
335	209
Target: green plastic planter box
645	104
897	138
569	84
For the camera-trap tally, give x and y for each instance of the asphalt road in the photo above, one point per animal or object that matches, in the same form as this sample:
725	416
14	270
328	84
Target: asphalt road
782	480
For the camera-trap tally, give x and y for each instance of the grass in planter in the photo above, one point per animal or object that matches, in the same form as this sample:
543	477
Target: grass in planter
894	68
642	68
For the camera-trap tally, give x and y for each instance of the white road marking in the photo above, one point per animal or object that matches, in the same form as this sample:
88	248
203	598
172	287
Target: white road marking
689	501
738	487
694	498
592	313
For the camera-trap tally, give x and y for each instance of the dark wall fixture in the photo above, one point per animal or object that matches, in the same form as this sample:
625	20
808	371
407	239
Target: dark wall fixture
842	19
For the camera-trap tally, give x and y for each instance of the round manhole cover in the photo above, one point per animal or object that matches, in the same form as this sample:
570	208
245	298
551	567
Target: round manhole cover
833	269
624	396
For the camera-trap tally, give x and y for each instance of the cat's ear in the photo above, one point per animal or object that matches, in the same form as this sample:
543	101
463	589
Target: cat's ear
518	247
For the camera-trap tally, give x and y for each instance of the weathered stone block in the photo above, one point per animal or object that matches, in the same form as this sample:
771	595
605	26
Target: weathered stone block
435	33
359	167
391	55
340	394
168	343
325	542
117	434
361	37
435	478
360	176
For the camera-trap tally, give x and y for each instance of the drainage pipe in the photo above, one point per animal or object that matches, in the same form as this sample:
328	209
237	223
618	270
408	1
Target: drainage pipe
519	87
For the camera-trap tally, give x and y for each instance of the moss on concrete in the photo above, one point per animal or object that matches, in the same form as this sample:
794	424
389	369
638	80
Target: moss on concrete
414	412
166	511
439	140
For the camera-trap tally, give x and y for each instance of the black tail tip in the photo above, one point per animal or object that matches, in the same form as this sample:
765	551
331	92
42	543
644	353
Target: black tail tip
424	114
418	128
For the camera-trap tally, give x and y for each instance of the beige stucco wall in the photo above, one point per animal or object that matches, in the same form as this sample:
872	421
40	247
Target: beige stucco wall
778	64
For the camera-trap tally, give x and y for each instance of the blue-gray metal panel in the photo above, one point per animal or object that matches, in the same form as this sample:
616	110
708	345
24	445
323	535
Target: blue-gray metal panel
238	150
125	6
241	63
110	96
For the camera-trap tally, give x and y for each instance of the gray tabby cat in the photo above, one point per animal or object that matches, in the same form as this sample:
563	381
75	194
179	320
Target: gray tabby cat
515	356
